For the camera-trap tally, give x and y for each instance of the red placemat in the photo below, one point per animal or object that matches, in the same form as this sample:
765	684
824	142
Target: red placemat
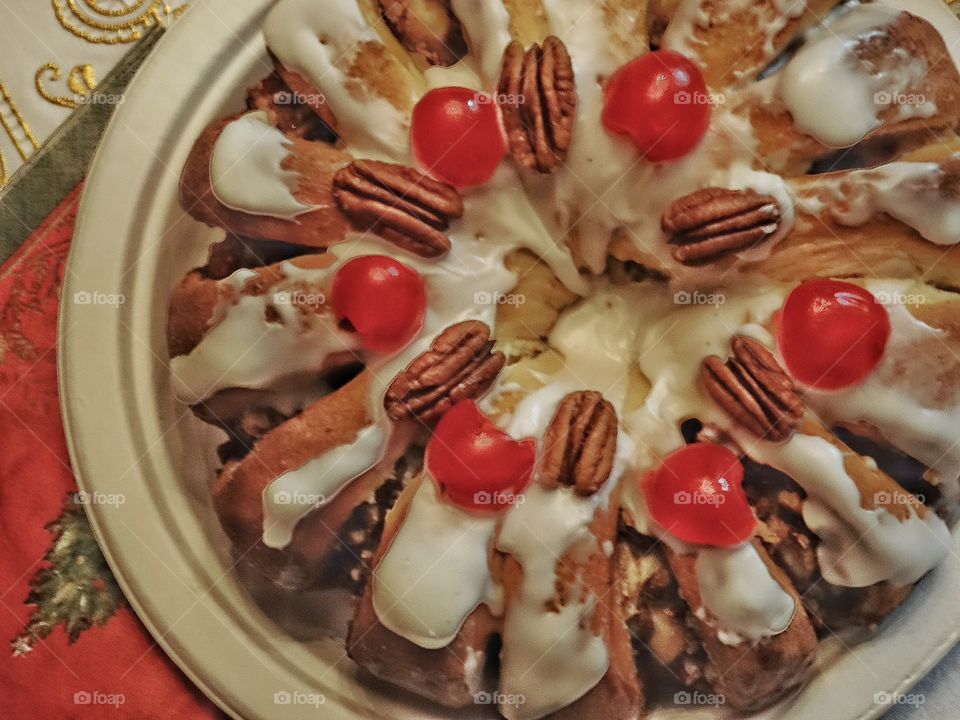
76	649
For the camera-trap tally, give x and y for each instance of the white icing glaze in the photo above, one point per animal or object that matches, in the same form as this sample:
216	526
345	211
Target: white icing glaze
443	546
826	73
742	177
594	184
740	599
595	339
294	494
246	169
680	34
737	588
463	285
496	212
673	346
858	547
246	348
911	192
320	41
605	188
692	14
911	396
435	572
548	658
671	351
487	27
459	75
583	190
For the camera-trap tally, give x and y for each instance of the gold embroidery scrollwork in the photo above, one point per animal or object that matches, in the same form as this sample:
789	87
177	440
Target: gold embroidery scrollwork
81	81
98	21
17	129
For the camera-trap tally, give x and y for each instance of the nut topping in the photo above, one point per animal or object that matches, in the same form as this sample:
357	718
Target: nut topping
459	365
716	221
754	390
580	443
539	101
404	206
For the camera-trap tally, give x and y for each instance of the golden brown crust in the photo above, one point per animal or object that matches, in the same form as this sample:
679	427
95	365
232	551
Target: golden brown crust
332	421
427	28
528	21
619	694
783	148
881	247
292	113
194	302
832	608
443	675
943	316
315	164
191	309
751	674
304	89
737	47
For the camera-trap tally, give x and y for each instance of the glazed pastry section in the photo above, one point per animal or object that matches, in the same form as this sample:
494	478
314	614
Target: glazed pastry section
247	172
637	330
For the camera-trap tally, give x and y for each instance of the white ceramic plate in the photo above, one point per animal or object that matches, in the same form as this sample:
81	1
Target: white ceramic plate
128	438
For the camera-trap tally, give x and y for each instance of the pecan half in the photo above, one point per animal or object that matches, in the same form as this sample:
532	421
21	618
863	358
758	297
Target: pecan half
460	364
754	390
539	100
580	443
406	207
716	221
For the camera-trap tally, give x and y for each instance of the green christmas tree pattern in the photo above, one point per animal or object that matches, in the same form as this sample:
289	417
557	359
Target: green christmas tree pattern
75	588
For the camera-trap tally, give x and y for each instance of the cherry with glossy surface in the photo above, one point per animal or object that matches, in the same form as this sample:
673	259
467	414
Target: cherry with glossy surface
832	333
458	135
475	464
380	299
660	102
697	495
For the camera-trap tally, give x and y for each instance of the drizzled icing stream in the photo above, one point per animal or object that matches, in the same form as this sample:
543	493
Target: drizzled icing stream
828	73
435	572
246	169
321	41
915	193
258	340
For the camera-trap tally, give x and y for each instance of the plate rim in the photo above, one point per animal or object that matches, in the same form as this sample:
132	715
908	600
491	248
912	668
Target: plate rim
78	417
200	36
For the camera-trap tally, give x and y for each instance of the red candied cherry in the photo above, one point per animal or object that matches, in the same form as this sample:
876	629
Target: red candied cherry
475	464
381	299
832	334
660	102
697	495
458	135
